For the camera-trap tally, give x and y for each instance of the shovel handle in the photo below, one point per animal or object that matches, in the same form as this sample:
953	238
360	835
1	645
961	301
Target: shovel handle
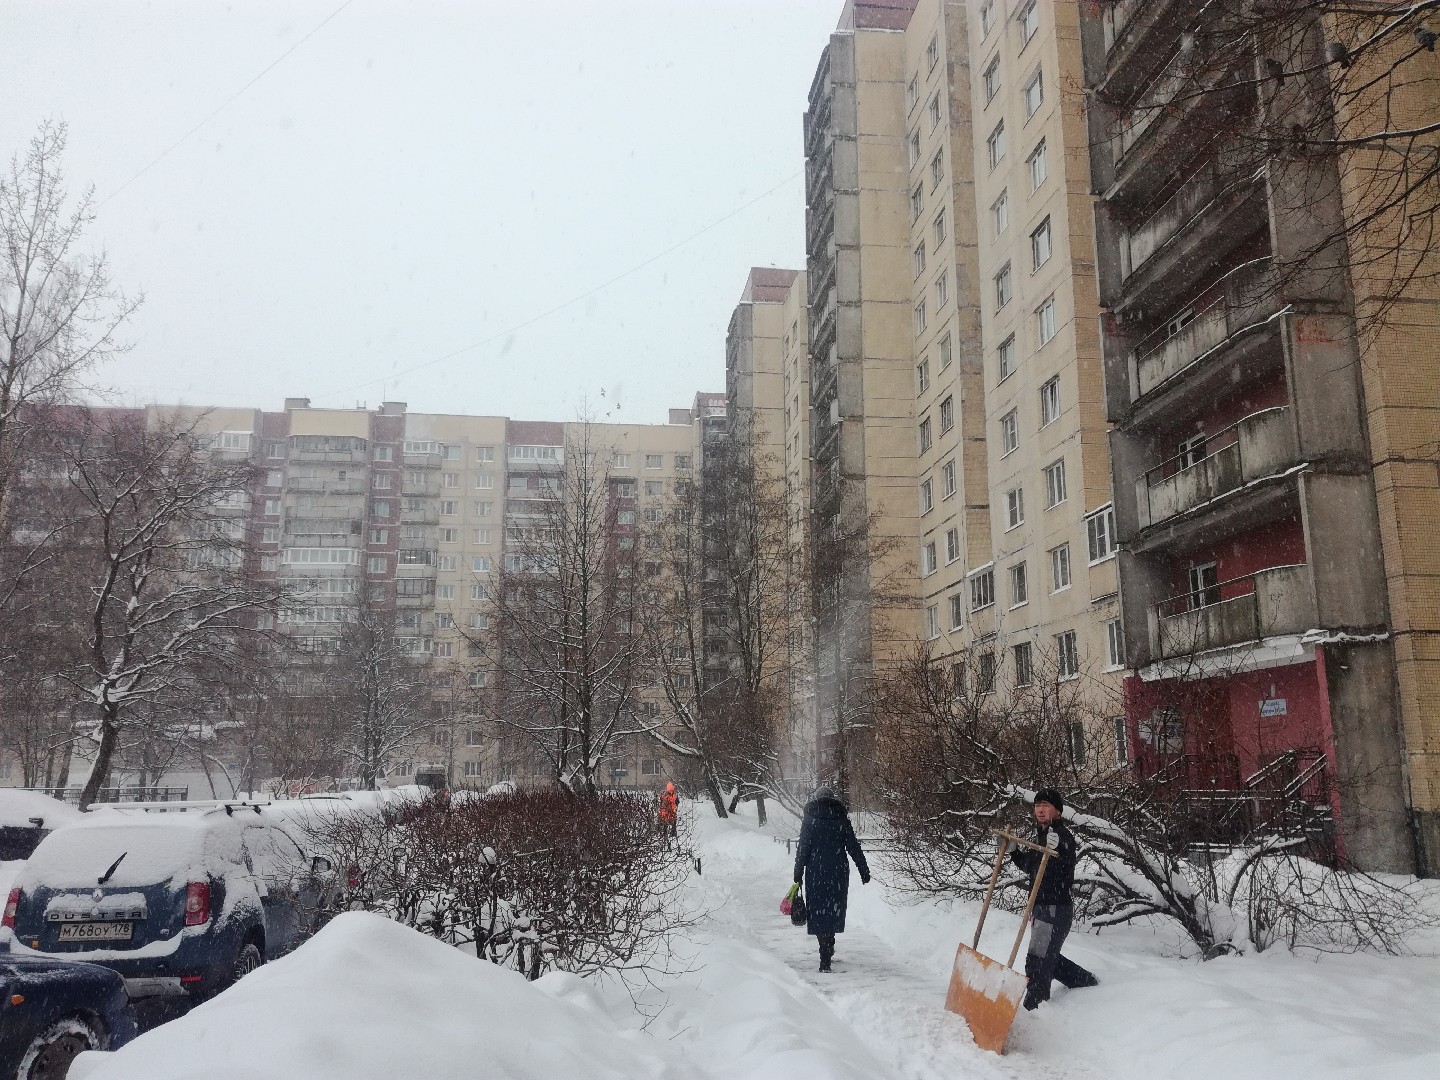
990	891
1030	904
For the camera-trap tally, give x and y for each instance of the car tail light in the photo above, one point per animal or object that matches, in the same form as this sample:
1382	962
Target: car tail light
197	903
352	877
12	905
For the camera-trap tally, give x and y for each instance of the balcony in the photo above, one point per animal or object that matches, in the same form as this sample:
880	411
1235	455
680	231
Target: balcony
423	461
330	457
824	335
1245	300
1271	602
1263	444
309	485
423	515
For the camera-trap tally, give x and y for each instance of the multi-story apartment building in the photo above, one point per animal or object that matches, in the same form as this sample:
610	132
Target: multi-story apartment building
421	510
956	385
1279	626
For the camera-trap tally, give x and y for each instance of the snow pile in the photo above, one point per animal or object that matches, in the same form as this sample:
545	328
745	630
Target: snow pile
18	807
367	997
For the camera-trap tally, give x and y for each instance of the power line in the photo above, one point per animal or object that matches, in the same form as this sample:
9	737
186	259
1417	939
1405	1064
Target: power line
227	102
573	300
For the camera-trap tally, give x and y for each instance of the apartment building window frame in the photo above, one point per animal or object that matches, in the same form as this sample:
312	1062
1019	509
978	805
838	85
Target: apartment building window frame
621	461
929	560
1006	358
1000	213
1009	433
932	622
948	484
927	496
1050	401
942	289
922	376
1004	286
1190	452
932	51
1023	657
920	318
952	544
982	588
1019	584
1034	93
912	94
946	352
957	611
1056	486
926	436
912	149
947	413
1203	580
986	677
1114	645
1061	571
937	230
917	202
917	259
1067	656
1039	166
990	80
995	145
1029	20
1047	322
1100	534
275	450
1042	245
987	18
448	535
934	111
1014	508
654	461
381	480
937	168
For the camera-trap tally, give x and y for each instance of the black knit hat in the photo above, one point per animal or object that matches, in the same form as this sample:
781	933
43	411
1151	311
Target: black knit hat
1051	796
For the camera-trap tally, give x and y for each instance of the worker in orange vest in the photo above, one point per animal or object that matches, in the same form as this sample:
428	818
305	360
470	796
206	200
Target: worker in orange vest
669	810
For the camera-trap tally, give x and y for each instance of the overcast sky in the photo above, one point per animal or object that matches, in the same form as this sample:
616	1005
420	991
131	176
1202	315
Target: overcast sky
417	179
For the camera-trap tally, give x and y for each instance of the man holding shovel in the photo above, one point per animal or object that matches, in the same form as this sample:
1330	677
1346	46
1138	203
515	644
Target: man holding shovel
1054	909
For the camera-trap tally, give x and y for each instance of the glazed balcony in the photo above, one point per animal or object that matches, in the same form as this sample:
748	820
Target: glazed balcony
330	457
1280	600
312	485
1263	444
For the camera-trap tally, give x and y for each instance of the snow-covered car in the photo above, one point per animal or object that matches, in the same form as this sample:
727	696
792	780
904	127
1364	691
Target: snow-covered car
176	898
26	818
55	1010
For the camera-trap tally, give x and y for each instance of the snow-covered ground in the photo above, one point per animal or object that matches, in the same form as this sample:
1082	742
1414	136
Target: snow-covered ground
369	999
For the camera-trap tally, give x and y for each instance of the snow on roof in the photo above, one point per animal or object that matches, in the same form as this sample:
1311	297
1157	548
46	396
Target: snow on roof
156	847
369	999
18	807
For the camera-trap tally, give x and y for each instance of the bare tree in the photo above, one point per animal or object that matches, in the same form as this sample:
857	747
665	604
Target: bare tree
565	647
59	311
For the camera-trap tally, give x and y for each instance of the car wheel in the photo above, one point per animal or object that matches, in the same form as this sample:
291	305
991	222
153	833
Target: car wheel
50	1053
247	960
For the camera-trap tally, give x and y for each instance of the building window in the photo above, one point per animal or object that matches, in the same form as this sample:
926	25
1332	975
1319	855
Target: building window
935	111
1006	356
1040	247
919	260
625	517
947	479
987	17
652	488
654	461
913	148
449	536
1034	95
447	507
1024	664
947	414
1046	321
272	507
920	317
275	478
1009	432
270	534
932	622
1000	213
478	591
1060	568
276	449
952	545
380	508
942	289
484	509
995	144
945	352
1019	584
1038	170
938	230
484	454
479	680
682	462
1002	287
1029	21
927	497
957	611
482	536
484	481
937	168
653	514
932	51
1100	533
1192	452
986	674
925	437
1014	508
1076	733
1204	585
922	374
917	202
1122	740
269	562
1055	484
1050	401
444	621
982	590
992	80
445	562
444	592
927	559
450	453
912	93
1114	644
375	564
480	564
1067	655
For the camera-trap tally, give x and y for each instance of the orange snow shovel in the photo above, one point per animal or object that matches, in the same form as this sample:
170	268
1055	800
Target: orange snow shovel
986	992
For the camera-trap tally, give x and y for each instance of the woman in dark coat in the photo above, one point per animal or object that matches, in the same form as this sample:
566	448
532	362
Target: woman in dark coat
826	835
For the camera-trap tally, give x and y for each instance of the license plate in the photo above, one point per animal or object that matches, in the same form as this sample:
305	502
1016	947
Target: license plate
96	931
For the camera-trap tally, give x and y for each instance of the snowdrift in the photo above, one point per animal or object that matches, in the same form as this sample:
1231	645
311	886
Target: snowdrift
368	998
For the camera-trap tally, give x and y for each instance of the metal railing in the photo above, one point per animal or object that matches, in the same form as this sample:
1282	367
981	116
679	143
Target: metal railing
117	794
1277	600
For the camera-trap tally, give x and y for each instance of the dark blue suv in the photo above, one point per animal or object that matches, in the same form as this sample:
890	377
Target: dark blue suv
177	899
55	1009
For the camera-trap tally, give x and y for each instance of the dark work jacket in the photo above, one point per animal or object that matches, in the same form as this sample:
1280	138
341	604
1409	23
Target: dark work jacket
1059	871
826	835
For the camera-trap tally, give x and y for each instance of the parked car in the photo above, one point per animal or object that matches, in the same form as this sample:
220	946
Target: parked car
54	1010
175	897
26	818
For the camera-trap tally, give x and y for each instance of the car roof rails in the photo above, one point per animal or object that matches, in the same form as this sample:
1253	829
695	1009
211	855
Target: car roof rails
228	805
